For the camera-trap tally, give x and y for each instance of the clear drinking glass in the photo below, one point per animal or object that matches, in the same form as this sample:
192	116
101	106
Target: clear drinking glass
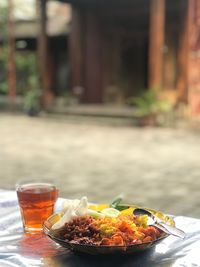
36	201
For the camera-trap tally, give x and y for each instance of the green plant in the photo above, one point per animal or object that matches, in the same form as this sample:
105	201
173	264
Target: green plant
149	104
3	88
27	72
3	71
26	62
26	69
32	98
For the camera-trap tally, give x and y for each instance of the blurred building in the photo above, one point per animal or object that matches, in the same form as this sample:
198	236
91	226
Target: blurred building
119	47
107	51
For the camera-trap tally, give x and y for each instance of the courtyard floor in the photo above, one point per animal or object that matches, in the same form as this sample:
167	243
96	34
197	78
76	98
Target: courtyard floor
154	167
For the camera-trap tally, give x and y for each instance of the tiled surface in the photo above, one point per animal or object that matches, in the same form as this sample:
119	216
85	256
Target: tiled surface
156	167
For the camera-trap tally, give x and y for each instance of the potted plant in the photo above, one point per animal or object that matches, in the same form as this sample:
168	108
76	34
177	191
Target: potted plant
149	107
32	102
32	98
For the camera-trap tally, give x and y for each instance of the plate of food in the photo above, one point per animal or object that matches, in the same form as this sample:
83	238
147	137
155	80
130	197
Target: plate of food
104	228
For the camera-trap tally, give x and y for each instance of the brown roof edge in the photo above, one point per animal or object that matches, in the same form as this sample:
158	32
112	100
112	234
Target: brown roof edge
106	3
103	2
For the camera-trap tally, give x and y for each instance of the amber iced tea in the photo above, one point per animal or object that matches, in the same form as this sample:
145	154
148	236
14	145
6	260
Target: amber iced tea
36	201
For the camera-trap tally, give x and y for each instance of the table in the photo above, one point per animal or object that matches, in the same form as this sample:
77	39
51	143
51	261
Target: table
22	250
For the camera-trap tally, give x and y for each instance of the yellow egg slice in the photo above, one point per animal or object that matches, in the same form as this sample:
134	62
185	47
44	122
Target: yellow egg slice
98	207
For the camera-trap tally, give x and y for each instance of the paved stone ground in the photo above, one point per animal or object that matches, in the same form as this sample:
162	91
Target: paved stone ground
154	167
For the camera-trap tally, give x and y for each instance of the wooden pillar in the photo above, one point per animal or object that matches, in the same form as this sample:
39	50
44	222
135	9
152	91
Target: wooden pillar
76	51
193	90
43	56
93	59
197	12
156	43
11	54
183	51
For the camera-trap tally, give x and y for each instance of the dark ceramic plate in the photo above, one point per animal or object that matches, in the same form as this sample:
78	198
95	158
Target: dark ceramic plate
96	250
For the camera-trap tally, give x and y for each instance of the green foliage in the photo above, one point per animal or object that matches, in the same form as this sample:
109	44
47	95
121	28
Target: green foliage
3	50
3	71
3	14
27	83
32	100
3	87
149	104
116	204
27	73
32	96
3	19
26	68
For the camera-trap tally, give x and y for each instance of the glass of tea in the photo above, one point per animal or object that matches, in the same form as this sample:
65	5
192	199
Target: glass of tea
36	202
